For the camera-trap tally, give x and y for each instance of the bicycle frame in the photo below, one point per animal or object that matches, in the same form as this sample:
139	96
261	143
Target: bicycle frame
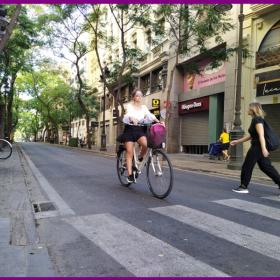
149	155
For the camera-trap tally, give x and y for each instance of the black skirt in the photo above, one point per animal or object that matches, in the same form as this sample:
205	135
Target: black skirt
132	133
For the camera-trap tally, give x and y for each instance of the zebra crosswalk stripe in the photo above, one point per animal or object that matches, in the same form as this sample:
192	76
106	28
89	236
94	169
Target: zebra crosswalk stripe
4	231
255	240
256	208
272	197
139	252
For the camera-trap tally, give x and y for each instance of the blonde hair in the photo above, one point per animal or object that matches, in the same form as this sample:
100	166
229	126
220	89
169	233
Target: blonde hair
257	110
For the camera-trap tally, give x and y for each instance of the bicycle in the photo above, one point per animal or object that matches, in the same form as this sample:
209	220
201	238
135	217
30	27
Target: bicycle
6	149
159	170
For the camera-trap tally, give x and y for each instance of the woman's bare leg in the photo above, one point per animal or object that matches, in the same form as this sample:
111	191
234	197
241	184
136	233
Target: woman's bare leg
129	156
142	141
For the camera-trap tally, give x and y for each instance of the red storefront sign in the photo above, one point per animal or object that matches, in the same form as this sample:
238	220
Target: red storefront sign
194	105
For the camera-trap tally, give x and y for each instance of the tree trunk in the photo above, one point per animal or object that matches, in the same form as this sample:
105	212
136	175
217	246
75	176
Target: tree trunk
2	116
10	108
10	28
88	131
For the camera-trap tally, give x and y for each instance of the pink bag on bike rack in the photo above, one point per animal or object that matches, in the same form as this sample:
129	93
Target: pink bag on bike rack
156	135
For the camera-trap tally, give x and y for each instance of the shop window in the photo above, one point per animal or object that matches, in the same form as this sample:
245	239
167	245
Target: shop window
269	51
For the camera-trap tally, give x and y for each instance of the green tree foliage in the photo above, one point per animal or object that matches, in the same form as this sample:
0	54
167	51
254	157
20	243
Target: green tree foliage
14	59
122	67
191	28
66	32
52	98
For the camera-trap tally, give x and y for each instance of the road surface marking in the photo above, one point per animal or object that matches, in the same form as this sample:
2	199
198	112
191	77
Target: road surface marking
256	208
272	197
139	252
256	240
4	231
54	197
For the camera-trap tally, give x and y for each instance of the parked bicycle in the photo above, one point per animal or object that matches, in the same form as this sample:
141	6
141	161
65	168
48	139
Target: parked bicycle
6	149
159	171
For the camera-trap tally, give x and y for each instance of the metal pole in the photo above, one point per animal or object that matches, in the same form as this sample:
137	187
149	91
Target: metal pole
103	135
237	132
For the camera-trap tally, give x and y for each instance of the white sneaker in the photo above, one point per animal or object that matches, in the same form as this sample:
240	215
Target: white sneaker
241	189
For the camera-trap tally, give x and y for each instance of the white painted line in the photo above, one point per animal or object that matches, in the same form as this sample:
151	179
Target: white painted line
256	208
4	231
272	197
139	252
54	197
255	240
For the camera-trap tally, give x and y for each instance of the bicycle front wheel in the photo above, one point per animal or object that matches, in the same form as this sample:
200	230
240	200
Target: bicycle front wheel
160	174
122	169
5	149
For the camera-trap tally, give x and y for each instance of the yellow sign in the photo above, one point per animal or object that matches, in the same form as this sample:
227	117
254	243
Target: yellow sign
155	103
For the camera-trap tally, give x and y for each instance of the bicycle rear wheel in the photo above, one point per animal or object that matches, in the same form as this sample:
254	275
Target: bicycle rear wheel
5	149
121	168
160	174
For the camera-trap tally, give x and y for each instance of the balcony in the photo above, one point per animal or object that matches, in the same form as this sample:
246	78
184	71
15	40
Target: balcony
268	58
262	7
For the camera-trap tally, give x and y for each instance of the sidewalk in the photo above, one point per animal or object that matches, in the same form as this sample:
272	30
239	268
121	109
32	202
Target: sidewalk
21	255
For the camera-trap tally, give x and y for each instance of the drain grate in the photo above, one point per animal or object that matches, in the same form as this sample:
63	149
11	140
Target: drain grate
43	206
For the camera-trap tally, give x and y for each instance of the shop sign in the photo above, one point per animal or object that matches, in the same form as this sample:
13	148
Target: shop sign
207	76
195	105
155	103
268	88
156	112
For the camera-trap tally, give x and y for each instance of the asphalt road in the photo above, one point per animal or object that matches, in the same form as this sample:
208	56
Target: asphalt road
101	228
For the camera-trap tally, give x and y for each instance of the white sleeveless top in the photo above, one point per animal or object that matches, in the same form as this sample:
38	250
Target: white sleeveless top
141	114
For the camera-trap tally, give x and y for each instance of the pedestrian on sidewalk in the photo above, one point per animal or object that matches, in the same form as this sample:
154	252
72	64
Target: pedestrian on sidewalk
258	152
224	140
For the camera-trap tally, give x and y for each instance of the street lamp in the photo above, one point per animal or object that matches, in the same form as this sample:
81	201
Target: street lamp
106	72
236	158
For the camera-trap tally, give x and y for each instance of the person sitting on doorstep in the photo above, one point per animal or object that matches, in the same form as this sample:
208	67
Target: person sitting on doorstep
224	139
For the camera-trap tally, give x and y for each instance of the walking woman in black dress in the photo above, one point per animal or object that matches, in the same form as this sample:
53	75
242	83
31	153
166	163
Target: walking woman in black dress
258	152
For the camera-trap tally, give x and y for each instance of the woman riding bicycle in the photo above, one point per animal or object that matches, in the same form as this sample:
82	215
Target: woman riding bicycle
136	114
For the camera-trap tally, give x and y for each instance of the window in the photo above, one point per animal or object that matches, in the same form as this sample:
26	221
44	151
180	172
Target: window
145	84
271	40
134	40
157	82
148	38
269	51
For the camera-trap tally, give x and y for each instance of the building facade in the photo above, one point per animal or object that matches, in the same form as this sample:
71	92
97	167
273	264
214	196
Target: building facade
202	104
261	71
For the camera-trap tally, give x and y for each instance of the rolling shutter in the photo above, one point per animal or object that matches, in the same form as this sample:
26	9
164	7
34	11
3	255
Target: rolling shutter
194	129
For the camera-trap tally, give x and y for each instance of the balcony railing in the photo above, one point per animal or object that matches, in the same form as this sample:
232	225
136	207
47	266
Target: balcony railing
268	58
